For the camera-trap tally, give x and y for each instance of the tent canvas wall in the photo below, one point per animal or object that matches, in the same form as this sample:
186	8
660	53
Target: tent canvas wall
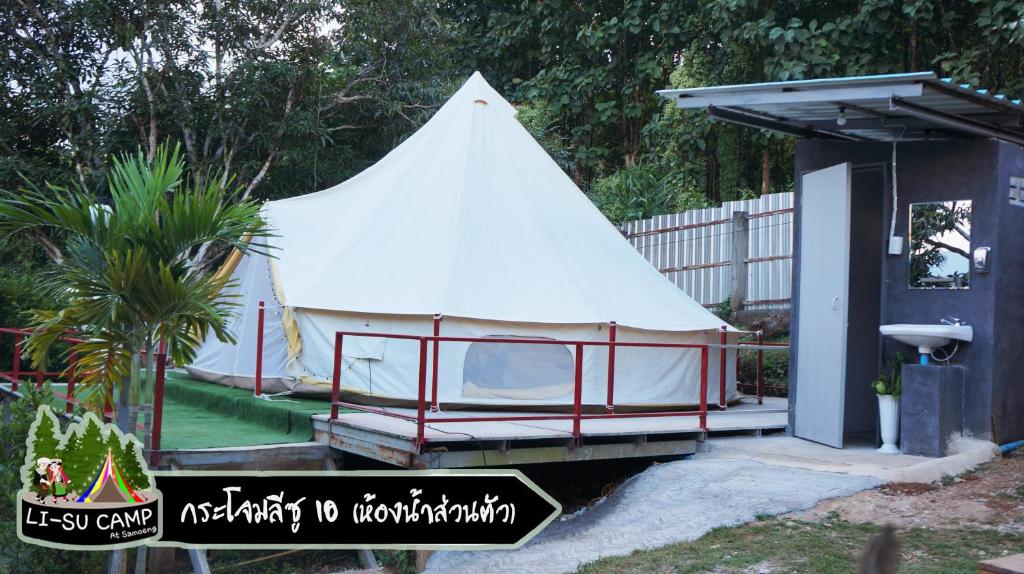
468	218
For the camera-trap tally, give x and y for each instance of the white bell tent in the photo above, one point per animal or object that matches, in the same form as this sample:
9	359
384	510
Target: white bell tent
470	219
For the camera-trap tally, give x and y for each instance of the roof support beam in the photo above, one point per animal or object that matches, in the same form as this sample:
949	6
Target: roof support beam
755	120
954	121
760	122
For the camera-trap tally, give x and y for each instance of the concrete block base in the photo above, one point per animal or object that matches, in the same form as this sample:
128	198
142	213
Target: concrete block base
931	408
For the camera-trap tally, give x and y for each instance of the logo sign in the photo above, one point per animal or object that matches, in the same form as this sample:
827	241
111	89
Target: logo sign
87	488
436	509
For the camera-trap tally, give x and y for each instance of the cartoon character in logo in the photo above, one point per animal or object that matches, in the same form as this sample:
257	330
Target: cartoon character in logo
58	480
42	479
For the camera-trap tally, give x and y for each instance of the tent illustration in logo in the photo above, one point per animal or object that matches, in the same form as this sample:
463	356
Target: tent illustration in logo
109	486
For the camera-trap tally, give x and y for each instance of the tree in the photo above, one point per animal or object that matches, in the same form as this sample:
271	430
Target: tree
127	274
84	453
596	64
45	435
128	457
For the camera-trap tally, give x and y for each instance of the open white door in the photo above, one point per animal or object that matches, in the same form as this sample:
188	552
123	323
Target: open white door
824	282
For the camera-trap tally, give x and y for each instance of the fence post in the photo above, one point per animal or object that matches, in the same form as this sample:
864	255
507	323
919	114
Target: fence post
610	401
723	340
760	368
17	362
422	394
158	404
738	263
259	349
704	388
336	378
72	365
433	375
577	398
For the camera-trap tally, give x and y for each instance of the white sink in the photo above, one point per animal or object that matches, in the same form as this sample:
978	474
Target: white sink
927	338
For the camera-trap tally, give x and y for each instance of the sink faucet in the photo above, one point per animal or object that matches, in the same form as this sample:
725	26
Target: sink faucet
955	321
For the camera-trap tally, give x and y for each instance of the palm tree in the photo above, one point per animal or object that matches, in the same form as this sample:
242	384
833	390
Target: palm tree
125	279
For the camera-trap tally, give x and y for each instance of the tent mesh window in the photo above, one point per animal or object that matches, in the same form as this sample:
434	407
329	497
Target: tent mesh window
517	370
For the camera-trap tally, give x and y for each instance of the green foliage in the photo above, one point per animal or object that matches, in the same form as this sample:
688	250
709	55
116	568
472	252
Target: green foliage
890	380
289	97
774	366
21	264
724	310
641	191
126	274
541	121
596	66
298	96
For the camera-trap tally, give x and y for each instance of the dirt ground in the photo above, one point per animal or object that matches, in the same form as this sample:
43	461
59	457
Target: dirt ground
990	497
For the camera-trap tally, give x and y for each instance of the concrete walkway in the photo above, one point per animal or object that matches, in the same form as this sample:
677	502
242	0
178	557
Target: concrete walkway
667	503
864	460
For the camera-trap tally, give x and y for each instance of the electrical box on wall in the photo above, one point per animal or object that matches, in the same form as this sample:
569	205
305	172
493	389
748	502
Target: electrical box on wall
981	259
895	245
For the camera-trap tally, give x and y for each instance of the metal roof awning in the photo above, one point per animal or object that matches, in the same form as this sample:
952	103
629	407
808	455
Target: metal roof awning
903	107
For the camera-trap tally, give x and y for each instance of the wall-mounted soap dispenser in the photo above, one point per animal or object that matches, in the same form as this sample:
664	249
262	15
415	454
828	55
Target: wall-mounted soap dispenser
981	259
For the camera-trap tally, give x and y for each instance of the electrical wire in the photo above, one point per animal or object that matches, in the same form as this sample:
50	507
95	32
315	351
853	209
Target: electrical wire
479	445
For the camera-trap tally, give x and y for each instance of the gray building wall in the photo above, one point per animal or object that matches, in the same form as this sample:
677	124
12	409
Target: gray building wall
940	171
1008	273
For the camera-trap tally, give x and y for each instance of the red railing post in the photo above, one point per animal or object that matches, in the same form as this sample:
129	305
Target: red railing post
72	364
577	398
339	339
723	341
610	401
17	361
433	375
760	368
158	403
259	349
422	397
704	388
39	379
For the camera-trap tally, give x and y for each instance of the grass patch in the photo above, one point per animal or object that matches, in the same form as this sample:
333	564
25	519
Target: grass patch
833	546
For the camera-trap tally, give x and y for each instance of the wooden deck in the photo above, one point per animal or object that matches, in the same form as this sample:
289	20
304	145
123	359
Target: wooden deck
472	444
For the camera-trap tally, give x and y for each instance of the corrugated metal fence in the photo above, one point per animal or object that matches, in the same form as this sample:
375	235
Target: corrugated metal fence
701	250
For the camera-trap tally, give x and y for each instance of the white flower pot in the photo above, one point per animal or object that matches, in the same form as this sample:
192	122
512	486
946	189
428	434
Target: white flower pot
889	420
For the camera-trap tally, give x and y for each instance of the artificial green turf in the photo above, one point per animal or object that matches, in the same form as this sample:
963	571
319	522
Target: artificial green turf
205	415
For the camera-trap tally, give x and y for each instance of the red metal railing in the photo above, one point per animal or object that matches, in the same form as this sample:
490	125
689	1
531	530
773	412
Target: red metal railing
421	419
760	346
16	374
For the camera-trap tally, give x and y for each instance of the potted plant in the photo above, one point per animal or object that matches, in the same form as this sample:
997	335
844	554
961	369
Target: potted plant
888	387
